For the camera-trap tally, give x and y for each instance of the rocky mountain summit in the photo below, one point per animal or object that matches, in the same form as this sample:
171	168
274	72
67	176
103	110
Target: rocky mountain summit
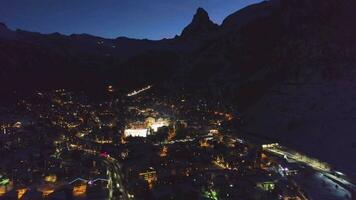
201	25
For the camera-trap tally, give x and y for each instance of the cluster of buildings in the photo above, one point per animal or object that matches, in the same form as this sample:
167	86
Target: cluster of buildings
49	139
143	129
66	145
196	157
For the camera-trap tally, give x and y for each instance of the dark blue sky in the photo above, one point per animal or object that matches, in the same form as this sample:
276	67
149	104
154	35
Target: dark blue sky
153	19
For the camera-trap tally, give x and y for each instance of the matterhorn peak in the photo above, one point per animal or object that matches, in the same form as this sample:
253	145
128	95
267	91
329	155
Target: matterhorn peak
201	14
200	24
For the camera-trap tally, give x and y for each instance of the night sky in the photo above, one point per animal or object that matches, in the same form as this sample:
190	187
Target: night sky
153	19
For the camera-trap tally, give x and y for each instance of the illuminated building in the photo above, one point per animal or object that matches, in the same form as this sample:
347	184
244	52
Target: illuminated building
213	132
136	132
2	190
211	194
5	186
171	134
51	178
266	186
79	190
149	121
272	145
110	88
103	141
163	152
21	192
122	139
156	124
275	148
204	143
5	181
227	116
46	190
17	125
291	172
140	129
159	123
220	162
149	176
136	129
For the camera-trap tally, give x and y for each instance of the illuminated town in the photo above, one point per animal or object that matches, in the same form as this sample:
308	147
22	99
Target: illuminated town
177	100
65	145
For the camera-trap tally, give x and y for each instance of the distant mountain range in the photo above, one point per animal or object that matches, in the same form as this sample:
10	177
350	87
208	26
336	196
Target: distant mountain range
32	60
257	42
274	58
